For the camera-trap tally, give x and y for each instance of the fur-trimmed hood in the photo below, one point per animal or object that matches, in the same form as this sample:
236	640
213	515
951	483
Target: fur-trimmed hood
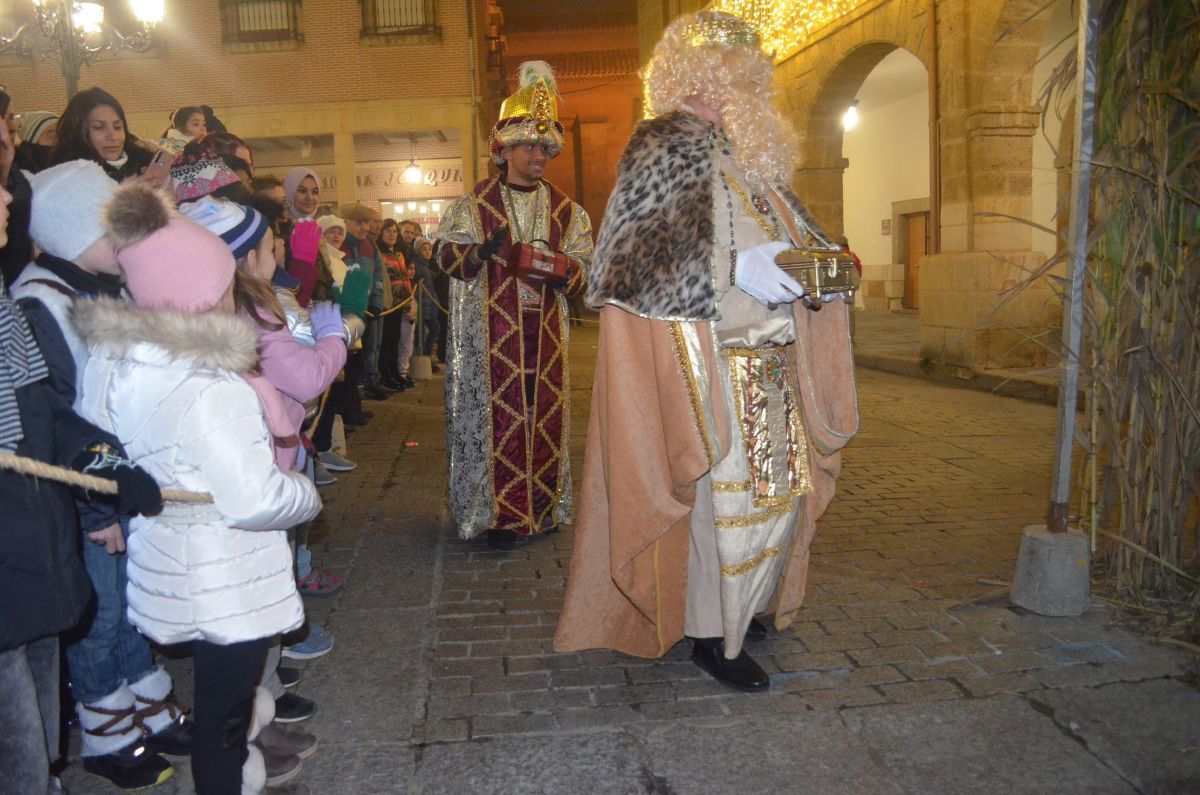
216	340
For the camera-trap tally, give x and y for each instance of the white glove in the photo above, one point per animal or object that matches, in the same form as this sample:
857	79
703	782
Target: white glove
764	281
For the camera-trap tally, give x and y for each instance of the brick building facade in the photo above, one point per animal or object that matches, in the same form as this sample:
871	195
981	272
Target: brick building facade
354	90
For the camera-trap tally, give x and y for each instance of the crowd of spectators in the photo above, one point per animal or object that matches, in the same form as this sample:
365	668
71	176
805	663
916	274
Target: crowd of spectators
172	319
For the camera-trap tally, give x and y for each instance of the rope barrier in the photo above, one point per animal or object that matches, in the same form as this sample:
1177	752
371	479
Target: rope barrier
393	308
433	298
40	469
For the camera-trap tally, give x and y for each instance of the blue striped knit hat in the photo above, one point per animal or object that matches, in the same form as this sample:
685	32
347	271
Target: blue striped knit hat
240	227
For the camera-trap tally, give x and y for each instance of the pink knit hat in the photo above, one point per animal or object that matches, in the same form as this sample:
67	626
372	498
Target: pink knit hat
169	261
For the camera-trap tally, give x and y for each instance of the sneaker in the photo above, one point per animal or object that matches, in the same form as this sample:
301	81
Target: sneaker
287	741
318	643
174	740
288	677
409	382
334	462
133	767
319	583
281	768
321	476
291	708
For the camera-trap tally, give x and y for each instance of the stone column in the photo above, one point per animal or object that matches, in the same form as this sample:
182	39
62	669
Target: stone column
819	186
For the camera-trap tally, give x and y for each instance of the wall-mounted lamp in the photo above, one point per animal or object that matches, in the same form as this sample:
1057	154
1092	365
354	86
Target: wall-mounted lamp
850	117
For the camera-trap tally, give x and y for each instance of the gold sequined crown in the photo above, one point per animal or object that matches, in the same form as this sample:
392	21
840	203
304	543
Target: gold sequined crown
530	115
713	28
536	101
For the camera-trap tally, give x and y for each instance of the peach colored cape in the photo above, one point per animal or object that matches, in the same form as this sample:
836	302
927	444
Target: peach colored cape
646	449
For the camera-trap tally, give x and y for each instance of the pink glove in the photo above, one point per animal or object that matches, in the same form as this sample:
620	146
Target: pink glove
306	237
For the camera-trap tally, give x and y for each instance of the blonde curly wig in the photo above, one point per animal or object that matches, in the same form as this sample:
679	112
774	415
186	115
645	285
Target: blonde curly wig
734	80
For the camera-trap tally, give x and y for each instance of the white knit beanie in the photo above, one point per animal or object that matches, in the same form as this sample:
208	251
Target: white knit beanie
327	222
66	219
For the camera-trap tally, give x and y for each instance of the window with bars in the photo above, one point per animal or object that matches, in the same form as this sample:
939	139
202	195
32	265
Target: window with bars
399	17
260	20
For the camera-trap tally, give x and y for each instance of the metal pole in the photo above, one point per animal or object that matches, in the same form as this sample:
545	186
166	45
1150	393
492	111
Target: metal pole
1087	57
935	146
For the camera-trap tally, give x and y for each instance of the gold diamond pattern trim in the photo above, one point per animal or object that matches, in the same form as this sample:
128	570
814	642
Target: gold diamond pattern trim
525	477
747	566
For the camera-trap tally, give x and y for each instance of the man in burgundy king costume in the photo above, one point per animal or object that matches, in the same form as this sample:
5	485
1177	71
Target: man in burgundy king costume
507	398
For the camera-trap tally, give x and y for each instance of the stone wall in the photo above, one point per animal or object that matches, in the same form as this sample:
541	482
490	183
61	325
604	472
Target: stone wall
979	313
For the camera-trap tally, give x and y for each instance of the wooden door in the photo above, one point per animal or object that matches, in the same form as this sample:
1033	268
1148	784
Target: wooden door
916	246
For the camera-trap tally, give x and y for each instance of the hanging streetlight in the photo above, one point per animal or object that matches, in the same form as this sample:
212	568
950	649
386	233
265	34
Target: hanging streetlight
412	174
75	34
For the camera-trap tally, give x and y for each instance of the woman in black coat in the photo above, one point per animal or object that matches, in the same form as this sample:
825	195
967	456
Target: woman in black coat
93	127
44	589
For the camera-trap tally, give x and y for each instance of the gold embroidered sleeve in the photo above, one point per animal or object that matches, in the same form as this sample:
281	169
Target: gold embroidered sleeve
579	246
457	237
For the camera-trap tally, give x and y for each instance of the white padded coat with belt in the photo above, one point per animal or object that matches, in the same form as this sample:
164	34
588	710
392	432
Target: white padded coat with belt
166	384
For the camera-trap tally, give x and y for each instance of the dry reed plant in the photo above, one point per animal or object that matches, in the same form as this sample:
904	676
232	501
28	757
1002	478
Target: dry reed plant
1141	358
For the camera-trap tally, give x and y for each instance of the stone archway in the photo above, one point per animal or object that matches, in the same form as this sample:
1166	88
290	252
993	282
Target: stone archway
819	178
817	88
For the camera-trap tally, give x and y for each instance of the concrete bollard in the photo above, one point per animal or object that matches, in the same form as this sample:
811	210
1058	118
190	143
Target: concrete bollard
1052	572
420	368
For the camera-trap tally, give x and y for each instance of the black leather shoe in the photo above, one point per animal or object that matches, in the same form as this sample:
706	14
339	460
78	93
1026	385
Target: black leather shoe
376	392
175	740
409	381
394	384
757	630
501	539
740	673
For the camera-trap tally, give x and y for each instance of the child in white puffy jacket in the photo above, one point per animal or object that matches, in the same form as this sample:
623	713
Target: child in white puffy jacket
174	377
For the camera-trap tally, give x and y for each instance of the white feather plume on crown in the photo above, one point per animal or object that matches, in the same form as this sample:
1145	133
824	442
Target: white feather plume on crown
530	72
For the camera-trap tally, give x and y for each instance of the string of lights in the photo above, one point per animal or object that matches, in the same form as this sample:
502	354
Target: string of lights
786	24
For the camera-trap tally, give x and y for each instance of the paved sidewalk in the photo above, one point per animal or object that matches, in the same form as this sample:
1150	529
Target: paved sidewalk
891	342
906	673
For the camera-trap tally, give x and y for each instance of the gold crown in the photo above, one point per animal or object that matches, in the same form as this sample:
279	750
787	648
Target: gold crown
536	101
722	30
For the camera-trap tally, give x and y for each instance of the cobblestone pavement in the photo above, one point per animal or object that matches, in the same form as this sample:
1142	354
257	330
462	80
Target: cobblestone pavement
907	671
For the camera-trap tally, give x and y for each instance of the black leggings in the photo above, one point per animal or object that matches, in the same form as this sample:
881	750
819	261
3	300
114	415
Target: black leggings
343	399
221	707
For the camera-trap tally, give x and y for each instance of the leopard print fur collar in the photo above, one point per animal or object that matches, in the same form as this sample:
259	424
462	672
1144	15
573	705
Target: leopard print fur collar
655	244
